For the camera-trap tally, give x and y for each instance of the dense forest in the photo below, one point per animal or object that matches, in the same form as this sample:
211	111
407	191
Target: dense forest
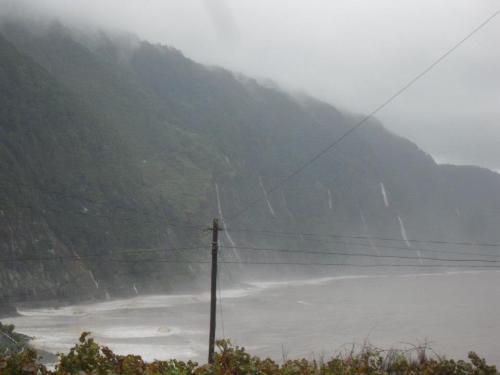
110	145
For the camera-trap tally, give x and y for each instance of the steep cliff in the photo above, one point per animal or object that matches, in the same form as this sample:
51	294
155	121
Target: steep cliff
110	145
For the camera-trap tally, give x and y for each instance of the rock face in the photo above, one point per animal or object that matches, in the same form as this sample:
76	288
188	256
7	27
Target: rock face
109	144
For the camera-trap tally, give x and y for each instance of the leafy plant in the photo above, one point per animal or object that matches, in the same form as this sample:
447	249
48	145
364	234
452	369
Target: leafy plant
88	357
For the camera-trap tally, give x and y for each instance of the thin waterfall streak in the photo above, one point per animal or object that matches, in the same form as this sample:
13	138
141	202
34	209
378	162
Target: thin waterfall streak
271	210
286	205
94	279
365	230
384	194
404	235
224	224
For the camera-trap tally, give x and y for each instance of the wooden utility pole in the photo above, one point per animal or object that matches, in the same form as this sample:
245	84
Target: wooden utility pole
213	291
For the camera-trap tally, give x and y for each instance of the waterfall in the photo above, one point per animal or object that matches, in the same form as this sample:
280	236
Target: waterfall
286	204
405	237
271	210
135	289
330	199
224	224
94	279
384	194
365	231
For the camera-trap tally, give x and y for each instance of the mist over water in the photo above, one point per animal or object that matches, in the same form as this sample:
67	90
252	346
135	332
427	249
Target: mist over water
312	318
335	232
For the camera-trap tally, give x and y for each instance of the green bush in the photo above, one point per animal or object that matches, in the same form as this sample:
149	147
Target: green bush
88	357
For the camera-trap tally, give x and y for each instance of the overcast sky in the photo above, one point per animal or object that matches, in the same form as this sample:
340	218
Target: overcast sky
353	54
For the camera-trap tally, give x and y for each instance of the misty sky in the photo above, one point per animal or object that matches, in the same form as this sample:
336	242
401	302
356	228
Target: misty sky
353	54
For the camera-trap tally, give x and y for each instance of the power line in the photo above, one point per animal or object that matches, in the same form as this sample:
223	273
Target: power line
362	265
98	256
318	235
168	261
325	252
306	164
108	257
401	248
54	292
378	238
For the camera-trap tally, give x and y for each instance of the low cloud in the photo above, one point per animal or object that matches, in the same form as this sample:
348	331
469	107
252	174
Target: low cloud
352	54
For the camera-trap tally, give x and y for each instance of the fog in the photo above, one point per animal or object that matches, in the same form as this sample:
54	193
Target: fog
312	319
384	248
352	54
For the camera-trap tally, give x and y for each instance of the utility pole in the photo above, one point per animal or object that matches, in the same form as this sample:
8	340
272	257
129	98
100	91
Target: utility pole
213	291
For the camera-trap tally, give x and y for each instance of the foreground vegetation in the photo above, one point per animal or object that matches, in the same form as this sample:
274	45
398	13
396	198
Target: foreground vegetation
11	341
88	357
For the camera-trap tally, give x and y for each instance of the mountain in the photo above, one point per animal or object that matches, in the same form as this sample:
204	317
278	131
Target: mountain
113	148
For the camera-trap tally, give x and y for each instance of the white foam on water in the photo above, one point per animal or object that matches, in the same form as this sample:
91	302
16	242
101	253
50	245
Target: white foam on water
384	194
53	345
154	340
265	285
151	352
126	332
237	293
140	302
289	283
271	210
162	301
472	272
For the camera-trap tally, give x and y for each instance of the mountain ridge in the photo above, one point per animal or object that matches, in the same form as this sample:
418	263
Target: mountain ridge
162	137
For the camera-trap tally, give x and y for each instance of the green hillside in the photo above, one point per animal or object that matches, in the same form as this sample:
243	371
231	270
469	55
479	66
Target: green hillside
110	145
